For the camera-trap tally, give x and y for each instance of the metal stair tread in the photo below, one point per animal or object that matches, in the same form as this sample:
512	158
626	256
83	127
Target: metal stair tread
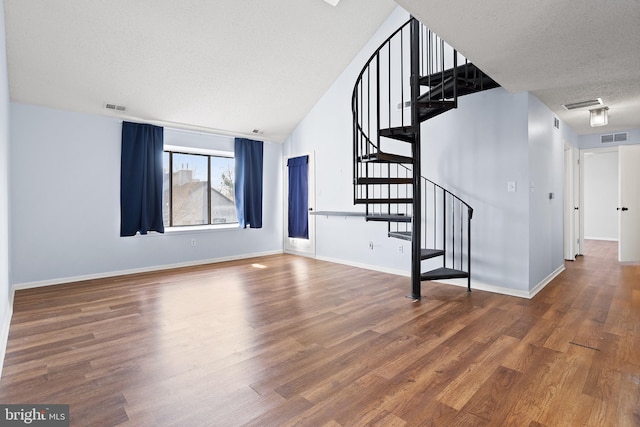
386	200
383	181
468	72
403	235
381	157
400	133
388	217
431	110
444	273
430	253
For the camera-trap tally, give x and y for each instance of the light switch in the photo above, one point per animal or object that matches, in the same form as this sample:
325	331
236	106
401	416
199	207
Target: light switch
512	186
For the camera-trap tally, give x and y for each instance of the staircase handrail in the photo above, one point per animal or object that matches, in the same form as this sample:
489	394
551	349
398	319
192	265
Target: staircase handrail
368	63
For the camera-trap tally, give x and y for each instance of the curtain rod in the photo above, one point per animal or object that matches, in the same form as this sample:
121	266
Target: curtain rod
189	128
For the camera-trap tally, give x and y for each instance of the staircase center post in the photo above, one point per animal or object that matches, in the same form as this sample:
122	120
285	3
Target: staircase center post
416	226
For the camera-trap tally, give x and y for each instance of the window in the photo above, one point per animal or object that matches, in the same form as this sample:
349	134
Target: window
199	190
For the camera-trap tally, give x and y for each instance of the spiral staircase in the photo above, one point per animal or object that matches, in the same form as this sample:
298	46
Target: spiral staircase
412	77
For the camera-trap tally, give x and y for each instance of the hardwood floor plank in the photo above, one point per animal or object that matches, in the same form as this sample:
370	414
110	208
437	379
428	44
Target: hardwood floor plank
283	340
465	385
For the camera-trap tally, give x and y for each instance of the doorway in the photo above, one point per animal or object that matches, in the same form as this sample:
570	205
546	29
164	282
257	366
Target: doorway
299	200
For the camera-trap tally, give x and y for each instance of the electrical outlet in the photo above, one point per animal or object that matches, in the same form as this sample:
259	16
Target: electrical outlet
193	242
371	245
400	248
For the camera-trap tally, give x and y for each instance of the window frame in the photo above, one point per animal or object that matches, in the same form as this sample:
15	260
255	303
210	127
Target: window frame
209	154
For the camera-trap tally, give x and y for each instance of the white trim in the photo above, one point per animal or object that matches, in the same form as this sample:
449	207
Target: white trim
475	285
124	117
480	286
537	288
297	253
365	266
61	280
606	239
179	149
192	228
4	333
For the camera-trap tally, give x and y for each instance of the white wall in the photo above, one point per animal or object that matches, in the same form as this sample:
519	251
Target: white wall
546	174
5	309
65	203
601	195
593	140
473	151
327	130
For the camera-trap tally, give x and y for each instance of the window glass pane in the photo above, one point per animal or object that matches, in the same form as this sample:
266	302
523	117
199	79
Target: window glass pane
223	208
189	190
166	201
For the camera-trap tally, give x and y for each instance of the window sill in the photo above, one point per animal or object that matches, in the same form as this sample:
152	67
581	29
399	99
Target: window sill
197	228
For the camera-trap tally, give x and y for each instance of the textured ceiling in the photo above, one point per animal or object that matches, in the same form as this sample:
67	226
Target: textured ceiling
562	51
226	65
236	65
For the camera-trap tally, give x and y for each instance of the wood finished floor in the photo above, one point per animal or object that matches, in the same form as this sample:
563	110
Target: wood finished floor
284	340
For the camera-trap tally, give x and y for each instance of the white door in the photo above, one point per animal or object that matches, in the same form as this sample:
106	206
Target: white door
629	203
578	205
301	246
571	203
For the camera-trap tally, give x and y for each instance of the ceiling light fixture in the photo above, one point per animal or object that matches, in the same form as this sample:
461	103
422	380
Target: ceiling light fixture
332	2
599	116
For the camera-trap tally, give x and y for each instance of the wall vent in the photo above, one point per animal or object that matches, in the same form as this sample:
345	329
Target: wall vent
583	104
614	137
115	107
556	123
621	137
257	131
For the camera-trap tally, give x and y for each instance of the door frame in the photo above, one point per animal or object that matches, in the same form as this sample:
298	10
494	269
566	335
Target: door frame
297	246
584	151
572	209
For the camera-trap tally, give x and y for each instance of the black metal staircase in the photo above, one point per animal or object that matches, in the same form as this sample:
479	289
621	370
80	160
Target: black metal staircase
412	77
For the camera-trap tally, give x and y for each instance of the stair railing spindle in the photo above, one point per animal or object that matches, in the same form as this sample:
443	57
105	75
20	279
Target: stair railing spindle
378	100
389	80
401	79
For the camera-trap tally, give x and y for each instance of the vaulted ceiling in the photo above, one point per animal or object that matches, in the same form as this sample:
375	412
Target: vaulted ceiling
226	65
237	65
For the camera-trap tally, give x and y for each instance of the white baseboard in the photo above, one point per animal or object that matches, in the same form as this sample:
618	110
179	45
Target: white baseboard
540	286
605	239
366	266
61	280
480	286
506	291
458	282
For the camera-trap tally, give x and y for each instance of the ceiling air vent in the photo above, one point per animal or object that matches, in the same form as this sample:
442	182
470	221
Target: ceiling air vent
621	137
583	104
614	137
606	139
115	107
257	131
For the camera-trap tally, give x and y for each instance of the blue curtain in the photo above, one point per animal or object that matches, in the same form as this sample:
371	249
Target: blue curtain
141	179
298	197
248	182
